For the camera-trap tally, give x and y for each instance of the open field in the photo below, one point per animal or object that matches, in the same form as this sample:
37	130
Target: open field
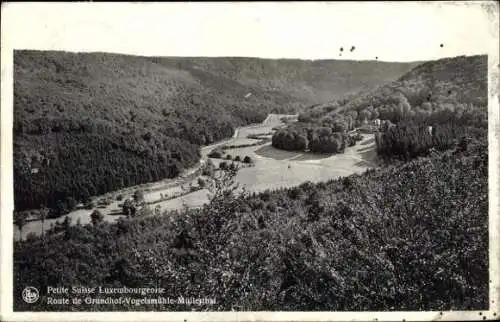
272	169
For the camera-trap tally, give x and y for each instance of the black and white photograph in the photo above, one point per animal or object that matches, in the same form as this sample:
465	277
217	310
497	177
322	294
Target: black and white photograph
311	160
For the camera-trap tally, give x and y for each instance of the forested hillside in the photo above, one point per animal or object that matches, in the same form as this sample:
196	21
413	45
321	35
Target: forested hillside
87	123
458	83
431	106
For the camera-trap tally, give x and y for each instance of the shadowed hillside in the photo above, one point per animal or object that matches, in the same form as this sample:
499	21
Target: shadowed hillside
88	123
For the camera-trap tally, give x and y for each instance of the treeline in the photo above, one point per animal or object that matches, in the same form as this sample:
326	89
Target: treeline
410	238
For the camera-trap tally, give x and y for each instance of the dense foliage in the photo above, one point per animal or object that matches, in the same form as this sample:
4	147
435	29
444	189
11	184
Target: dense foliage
412	237
412	138
325	137
95	122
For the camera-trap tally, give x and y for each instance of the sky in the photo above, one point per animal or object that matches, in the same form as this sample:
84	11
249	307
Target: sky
388	31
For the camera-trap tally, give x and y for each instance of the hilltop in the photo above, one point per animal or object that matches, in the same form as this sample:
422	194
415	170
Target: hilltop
94	122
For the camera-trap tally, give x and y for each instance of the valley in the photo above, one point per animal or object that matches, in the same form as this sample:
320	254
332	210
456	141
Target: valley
272	169
390	212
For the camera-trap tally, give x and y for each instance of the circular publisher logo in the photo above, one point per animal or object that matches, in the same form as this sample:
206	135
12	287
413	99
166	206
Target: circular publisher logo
30	294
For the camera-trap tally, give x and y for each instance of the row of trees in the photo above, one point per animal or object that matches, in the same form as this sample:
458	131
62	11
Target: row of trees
218	153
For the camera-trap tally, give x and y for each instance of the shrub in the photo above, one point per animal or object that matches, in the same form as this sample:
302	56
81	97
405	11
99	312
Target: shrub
247	159
215	153
89	205
208	169
96	217
237	158
223	165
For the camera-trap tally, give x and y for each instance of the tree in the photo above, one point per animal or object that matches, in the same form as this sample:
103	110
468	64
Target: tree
294	139
129	208
340	126
237	158
71	203
208	168
228	157
327	144
89	205
139	197
61	208
247	159
20	219
67	222
96	217
42	215
364	115
201	182
426	106
215	153
223	165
